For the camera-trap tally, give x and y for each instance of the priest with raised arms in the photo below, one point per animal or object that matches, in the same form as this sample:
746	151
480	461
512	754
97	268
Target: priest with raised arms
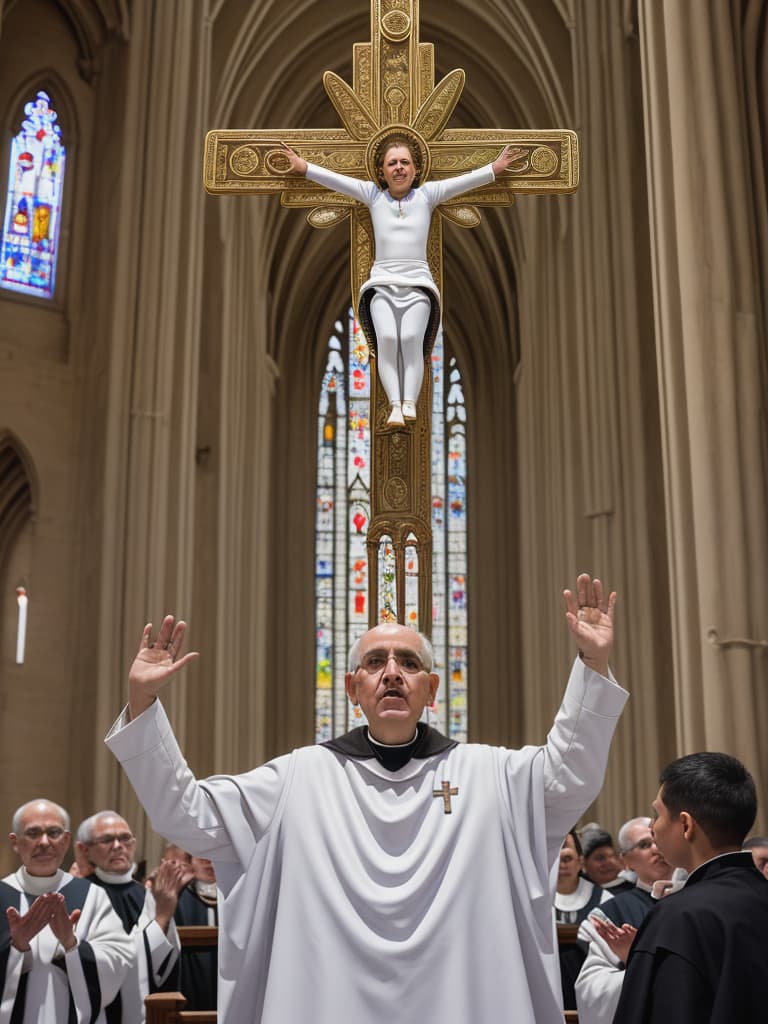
392	872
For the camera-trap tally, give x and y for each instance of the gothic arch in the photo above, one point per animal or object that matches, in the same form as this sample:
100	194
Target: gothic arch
18	493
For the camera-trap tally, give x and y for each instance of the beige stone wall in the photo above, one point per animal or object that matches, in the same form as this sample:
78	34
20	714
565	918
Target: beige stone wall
612	345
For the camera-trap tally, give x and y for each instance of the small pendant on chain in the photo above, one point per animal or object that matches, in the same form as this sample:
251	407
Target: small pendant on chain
400	208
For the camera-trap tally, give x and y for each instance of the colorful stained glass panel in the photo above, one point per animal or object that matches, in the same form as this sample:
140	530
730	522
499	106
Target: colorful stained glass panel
33	204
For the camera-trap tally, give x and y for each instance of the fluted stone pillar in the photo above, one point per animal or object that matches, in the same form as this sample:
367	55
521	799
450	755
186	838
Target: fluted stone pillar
154	323
711	346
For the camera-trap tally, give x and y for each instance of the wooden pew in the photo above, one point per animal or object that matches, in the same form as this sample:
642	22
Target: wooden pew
168	1007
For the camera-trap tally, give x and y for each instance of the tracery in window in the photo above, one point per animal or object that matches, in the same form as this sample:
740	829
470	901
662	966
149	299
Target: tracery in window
342	519
33	206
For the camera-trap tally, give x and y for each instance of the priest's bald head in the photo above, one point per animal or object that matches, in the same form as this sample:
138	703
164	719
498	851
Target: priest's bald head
391	679
40	836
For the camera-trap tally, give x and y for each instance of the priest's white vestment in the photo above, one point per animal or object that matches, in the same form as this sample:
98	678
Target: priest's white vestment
351	894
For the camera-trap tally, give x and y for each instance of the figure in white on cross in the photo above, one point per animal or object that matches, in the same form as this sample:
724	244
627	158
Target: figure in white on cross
399	304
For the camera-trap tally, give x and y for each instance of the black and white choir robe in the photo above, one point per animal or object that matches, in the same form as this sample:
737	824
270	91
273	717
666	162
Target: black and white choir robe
156	953
700	954
199	965
598	985
44	984
352	893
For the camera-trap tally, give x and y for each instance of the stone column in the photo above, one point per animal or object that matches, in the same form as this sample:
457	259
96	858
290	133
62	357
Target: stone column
711	357
148	521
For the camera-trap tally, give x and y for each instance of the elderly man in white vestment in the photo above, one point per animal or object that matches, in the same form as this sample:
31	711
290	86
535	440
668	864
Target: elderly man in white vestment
63	951
106	845
391	873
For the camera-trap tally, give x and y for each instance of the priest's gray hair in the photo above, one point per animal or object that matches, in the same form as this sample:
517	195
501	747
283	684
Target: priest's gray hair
625	843
18	814
427	651
85	828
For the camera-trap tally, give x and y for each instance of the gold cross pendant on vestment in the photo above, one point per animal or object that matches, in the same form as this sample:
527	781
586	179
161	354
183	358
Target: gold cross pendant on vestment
446	793
393	89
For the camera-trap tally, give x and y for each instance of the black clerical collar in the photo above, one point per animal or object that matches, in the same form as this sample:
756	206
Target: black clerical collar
722	861
356	744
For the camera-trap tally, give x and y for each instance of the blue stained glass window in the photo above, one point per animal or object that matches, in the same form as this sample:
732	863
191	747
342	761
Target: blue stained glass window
342	518
33	206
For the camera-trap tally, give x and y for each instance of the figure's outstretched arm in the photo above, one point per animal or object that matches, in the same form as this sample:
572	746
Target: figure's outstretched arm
449	188
355	188
157	660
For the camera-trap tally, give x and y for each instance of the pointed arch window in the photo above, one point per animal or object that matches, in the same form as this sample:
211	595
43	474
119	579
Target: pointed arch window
33	204
342	518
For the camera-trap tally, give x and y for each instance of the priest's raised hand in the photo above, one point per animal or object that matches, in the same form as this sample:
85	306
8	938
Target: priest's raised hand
157	660
590	619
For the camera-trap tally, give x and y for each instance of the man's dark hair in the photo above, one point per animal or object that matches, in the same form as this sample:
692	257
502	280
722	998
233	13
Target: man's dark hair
716	790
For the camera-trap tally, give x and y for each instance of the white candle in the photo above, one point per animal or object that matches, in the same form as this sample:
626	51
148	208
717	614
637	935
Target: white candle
21	635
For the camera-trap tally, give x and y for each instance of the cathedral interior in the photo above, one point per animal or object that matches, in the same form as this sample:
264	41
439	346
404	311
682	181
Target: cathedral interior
159	409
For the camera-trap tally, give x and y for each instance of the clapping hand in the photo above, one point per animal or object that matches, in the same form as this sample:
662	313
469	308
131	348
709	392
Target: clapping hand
48	909
618	940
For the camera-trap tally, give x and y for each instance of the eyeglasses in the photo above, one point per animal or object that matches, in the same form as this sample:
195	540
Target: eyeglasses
124	838
34	834
642	844
375	661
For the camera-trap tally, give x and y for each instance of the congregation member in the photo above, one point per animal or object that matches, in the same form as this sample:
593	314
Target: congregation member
575	896
106	845
391	870
758	847
198	905
699	955
598	985
64	953
602	865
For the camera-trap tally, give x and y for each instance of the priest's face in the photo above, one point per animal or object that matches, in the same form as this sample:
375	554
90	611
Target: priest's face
42	839
112	845
391	682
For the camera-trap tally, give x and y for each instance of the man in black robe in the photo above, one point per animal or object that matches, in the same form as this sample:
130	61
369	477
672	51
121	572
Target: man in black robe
700	954
198	905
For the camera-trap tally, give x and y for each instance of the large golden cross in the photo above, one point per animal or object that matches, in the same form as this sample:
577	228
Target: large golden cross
393	88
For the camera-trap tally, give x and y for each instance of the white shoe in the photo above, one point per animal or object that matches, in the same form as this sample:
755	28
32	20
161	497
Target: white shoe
409	410
396	416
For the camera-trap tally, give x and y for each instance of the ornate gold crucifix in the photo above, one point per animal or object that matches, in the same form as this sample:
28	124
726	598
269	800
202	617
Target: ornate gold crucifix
393	89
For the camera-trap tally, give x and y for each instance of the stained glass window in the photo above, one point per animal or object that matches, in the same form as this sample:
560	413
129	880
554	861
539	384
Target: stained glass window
342	517
33	207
